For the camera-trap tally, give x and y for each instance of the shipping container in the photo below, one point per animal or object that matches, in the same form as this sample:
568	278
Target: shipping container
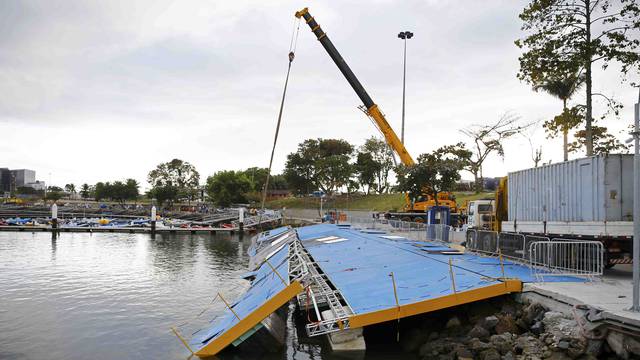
593	189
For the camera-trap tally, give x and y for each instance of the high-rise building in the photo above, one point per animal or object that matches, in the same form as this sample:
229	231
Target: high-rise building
7	183
23	177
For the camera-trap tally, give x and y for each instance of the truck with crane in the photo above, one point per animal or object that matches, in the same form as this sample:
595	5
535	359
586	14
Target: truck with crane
414	209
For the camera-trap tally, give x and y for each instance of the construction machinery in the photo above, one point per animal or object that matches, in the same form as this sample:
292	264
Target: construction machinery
414	209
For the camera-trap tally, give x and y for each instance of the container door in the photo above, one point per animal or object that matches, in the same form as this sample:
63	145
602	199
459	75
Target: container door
586	192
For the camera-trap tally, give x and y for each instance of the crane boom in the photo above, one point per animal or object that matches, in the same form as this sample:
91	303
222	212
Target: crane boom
371	108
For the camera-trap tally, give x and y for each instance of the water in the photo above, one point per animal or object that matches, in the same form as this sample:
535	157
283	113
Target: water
115	296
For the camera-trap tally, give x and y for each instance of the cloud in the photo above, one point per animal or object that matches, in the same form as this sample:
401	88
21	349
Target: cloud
106	90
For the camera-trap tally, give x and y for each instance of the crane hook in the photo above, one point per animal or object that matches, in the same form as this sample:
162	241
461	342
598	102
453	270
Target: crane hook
291	56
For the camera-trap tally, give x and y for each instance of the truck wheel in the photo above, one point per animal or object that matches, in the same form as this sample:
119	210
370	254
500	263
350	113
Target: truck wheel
607	260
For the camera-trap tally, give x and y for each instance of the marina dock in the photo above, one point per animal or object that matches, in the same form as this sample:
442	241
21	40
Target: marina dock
347	277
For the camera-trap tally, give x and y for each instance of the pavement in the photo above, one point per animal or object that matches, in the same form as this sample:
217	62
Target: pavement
612	294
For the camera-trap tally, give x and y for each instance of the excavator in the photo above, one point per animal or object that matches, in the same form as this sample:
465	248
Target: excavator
413	210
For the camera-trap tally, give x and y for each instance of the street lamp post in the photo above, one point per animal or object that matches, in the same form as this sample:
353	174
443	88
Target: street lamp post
404	35
636	208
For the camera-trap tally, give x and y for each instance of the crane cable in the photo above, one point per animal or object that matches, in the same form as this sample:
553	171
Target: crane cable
292	48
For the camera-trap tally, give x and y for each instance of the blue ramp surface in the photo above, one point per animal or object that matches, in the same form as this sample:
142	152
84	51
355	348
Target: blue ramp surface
359	264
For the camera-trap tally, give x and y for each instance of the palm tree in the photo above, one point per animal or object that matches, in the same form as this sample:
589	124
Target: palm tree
70	188
563	87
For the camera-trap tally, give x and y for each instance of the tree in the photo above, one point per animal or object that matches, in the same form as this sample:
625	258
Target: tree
300	171
319	164
163	194
131	191
28	190
53	193
228	187
603	141
70	188
258	177
563	87
366	169
99	192
85	191
487	139
117	191
176	174
383	157
573	35
432	173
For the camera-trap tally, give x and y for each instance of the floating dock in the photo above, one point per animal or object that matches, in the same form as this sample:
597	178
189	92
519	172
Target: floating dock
347	278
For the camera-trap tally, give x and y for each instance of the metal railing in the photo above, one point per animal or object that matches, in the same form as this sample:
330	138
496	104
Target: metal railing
482	241
266	217
545	257
407	229
512	245
560	257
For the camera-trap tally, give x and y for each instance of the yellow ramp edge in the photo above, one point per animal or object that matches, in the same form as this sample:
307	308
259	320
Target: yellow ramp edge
244	325
459	298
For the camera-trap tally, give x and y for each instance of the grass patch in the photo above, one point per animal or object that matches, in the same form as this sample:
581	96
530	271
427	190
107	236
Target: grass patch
373	202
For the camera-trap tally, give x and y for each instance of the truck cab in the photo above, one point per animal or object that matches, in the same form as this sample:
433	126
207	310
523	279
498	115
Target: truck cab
480	214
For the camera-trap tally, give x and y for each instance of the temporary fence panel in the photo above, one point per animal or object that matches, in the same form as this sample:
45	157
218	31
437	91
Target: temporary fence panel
512	245
567	257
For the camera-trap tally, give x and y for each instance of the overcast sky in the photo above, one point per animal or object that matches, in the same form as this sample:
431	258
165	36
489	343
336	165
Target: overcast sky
101	91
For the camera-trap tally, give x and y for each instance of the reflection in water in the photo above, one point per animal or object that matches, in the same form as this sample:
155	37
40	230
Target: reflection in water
115	296
54	238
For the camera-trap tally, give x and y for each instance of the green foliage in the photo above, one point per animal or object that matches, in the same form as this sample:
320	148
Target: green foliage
117	191
163	194
54	188
319	164
433	172
85	191
228	187
568	119
562	86
258	177
382	165
27	190
570	36
54	195
366	169
175	174
603	142
70	188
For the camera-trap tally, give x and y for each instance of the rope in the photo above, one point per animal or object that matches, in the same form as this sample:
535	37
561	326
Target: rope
292	47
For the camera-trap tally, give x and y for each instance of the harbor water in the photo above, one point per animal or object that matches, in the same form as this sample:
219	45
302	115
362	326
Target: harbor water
116	296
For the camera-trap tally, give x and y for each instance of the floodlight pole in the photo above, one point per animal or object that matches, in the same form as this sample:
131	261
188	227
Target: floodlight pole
404	35
636	209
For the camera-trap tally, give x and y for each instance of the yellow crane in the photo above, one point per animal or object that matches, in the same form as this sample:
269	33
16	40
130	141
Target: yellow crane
412	210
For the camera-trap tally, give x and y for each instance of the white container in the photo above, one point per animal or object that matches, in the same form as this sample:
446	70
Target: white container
597	188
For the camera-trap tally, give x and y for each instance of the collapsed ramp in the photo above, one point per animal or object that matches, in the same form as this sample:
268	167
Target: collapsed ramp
270	289
350	278
382	278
